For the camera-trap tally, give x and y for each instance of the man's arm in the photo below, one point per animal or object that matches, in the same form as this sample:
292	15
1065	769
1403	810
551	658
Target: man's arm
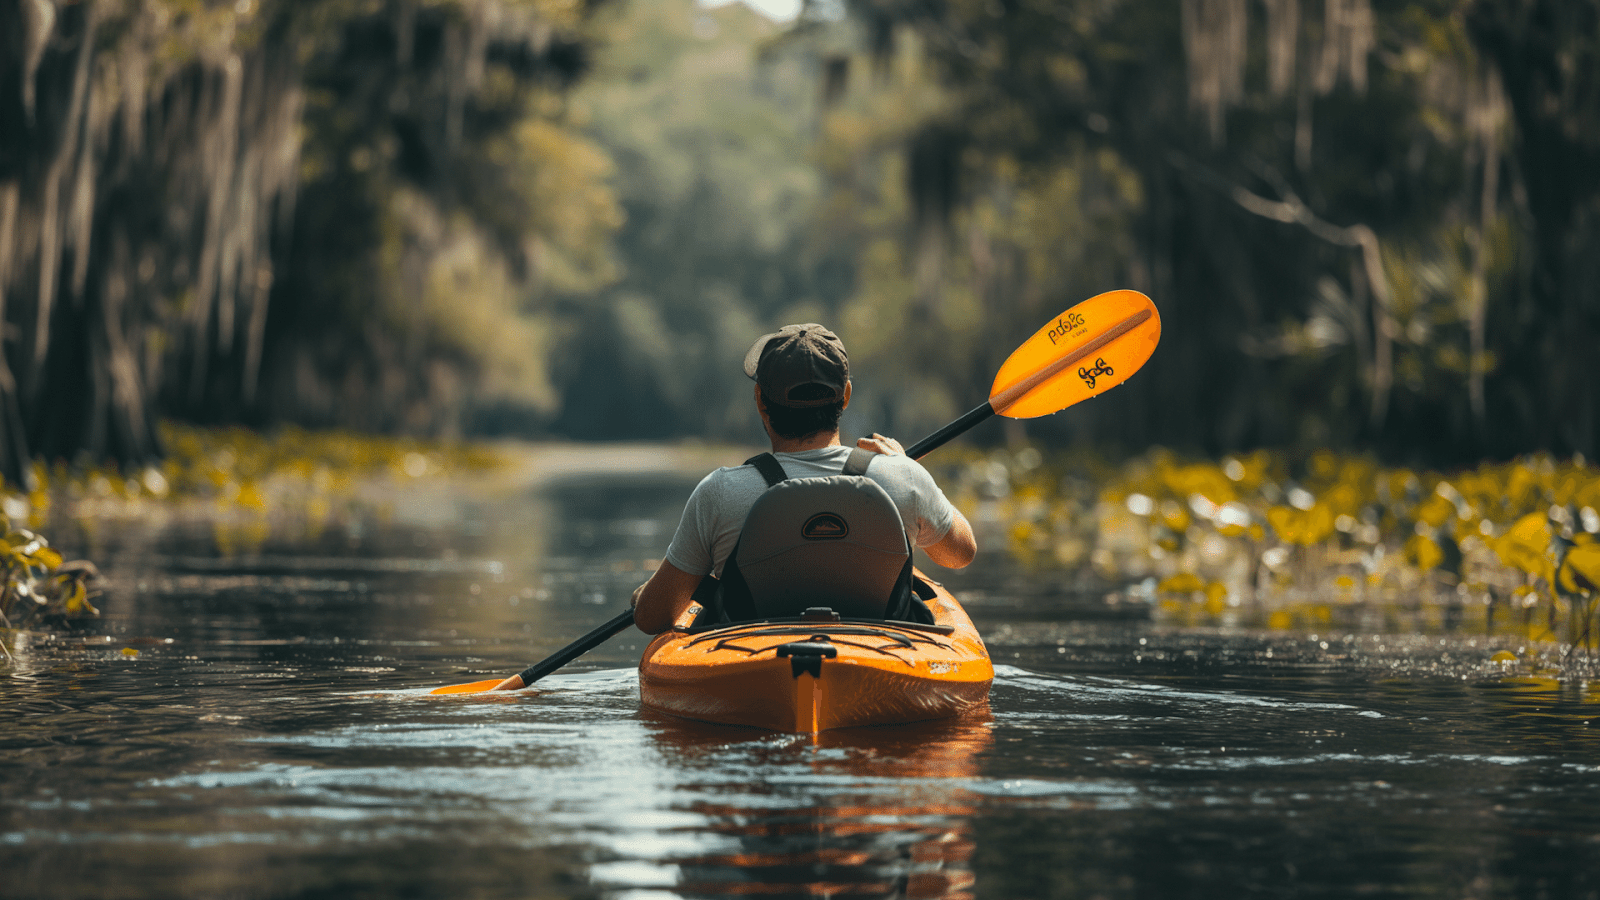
959	546
660	601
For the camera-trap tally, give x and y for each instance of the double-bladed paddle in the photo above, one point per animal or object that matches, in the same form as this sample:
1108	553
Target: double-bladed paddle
1084	352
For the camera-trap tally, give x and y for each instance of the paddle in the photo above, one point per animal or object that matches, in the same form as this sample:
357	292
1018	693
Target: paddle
1113	334
555	661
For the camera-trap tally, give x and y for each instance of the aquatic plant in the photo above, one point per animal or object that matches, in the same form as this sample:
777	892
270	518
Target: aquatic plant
245	485
1263	538
37	585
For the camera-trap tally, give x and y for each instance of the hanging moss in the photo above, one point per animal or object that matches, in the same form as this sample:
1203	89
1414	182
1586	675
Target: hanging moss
222	211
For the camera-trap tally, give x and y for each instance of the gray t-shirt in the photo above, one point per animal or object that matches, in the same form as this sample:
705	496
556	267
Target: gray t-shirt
716	510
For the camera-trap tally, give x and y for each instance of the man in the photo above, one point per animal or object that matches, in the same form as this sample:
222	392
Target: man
802	377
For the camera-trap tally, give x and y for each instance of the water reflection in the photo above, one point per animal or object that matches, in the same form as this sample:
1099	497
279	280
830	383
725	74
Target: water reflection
859	813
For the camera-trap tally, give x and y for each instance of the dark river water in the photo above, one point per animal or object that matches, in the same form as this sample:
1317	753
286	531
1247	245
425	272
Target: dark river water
258	726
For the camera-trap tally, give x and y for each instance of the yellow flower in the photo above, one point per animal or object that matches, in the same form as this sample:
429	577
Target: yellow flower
1181	583
1526	545
1580	571
1436	510
1302	527
1424	552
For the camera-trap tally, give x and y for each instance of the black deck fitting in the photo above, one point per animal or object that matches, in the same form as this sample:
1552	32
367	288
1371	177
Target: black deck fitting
807	656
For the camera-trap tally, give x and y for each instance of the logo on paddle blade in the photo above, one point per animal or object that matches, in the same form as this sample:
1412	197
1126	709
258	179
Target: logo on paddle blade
1066	325
1089	375
825	526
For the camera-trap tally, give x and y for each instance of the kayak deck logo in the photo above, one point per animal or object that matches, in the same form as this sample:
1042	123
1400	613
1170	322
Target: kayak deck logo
825	526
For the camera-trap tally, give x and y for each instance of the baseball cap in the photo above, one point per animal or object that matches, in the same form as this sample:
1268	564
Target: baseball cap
797	355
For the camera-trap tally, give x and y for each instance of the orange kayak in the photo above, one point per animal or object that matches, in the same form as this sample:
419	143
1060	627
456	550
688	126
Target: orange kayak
817	672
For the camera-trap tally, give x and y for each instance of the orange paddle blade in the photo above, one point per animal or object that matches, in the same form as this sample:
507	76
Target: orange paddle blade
476	687
1088	350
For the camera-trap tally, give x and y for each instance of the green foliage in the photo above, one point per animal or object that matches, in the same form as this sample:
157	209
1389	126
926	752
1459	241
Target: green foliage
712	149
449	198
1368	224
1323	200
400	184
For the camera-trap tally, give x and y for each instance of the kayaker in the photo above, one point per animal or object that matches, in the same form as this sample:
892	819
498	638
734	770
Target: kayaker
802	376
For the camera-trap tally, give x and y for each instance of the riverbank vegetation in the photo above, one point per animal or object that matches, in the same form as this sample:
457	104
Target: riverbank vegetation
38	587
1329	542
238	475
243	487
1324	543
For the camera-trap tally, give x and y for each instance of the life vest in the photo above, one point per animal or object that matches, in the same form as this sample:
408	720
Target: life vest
833	541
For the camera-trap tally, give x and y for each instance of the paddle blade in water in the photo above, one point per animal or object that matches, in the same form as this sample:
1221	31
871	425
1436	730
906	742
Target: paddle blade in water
477	687
1086	351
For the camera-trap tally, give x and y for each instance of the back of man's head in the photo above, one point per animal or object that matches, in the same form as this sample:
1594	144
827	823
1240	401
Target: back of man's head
800	366
803	372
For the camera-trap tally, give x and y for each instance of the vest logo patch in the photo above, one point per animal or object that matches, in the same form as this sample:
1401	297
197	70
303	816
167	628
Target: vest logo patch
825	526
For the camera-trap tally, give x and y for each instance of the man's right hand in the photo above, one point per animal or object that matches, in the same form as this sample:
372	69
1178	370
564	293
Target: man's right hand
879	443
958	547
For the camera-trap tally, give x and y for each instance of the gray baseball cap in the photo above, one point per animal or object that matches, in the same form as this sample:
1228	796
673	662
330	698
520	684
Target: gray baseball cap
797	355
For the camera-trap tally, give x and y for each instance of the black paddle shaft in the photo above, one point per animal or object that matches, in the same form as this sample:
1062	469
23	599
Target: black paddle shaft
578	647
950	432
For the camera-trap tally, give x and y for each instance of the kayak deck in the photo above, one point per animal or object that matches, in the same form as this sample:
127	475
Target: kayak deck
818	672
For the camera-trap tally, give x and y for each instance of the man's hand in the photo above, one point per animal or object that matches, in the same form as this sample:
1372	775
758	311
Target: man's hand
878	443
958	547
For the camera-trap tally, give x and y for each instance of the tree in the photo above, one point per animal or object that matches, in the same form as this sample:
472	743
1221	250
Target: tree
1319	202
712	143
340	212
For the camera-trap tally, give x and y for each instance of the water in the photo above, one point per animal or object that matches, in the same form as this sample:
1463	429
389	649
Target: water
259	727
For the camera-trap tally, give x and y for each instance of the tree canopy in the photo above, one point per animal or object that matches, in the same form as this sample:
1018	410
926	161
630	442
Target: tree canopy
1363	221
1368	224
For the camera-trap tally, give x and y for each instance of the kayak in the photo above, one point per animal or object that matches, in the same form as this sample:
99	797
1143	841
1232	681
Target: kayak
818	671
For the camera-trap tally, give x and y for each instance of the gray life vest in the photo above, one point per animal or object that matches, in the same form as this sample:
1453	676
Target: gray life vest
835	541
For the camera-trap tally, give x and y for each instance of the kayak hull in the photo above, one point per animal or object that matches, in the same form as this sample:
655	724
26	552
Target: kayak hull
815	674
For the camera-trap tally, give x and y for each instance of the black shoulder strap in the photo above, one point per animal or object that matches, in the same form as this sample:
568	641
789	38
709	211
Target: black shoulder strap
729	599
858	461
768	466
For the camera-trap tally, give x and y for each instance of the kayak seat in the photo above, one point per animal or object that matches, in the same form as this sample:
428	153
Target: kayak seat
834	541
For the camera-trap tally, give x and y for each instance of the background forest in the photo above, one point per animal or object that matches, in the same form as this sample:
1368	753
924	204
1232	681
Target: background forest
1368	225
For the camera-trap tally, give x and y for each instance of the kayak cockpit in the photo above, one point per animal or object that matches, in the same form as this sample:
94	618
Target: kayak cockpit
819	670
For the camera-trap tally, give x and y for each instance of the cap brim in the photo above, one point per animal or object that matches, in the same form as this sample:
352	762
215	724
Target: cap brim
752	360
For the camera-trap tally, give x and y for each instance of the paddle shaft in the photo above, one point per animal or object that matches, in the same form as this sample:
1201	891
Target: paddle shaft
1003	400
577	648
950	432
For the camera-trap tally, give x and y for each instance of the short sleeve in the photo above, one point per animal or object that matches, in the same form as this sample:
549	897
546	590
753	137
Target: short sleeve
691	547
927	512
